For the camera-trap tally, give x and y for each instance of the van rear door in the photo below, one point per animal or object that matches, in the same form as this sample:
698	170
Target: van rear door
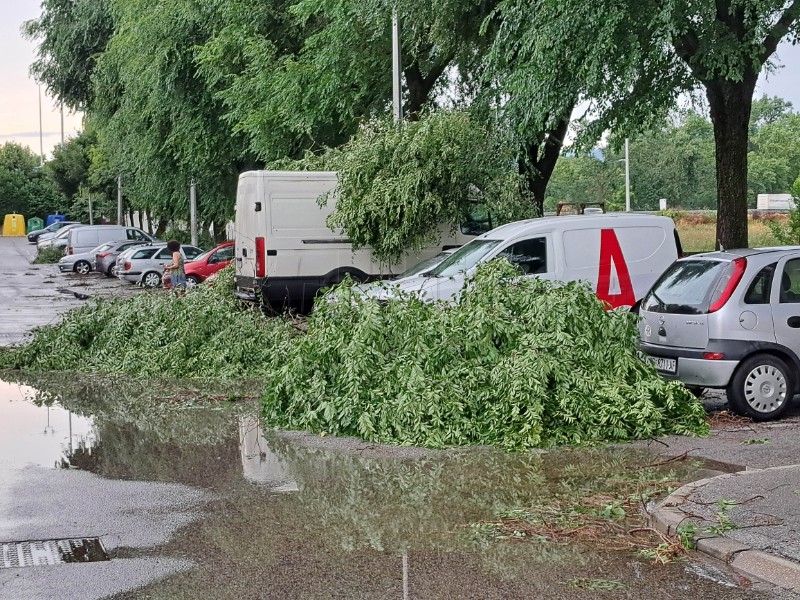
250	215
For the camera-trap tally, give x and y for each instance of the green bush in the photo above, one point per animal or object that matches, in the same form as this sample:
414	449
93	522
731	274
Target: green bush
517	365
48	255
204	333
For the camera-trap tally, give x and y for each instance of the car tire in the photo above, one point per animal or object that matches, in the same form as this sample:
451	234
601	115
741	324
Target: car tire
82	267
151	279
761	388
192	281
111	271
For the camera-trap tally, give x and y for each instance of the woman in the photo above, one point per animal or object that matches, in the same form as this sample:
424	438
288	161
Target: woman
175	268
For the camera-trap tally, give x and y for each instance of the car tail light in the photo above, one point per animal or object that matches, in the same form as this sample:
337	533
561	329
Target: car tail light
103	254
736	271
261	257
127	265
713	355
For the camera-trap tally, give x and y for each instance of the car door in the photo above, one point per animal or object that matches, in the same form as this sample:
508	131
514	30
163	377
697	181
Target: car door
786	303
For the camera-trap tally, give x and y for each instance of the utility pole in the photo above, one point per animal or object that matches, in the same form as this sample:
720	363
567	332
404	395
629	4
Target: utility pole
627	178
119	200
41	135
397	69
193	211
62	123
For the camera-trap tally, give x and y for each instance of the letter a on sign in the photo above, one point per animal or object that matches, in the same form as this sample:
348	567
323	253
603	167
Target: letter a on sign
610	252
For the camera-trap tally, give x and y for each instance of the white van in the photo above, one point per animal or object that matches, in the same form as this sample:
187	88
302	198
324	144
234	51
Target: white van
84	238
285	251
621	255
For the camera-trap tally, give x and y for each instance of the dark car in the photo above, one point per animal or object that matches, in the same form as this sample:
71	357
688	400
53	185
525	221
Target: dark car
33	236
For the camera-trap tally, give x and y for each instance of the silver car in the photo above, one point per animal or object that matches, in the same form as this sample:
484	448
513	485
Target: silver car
145	264
106	261
57	240
83	262
729	320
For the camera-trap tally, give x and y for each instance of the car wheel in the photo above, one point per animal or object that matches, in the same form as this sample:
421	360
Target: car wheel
151	279
111	271
82	267
761	388
192	280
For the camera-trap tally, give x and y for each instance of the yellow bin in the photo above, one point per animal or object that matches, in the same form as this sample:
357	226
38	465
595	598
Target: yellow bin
14	225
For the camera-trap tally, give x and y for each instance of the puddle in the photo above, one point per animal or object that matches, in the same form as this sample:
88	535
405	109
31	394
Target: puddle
292	515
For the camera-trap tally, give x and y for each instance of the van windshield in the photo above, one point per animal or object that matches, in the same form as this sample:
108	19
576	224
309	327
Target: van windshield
685	288
465	258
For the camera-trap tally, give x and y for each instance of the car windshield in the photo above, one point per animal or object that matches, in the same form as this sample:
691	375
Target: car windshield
424	266
685	288
191	252
465	258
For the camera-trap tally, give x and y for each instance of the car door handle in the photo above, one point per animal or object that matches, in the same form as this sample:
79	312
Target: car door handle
794	322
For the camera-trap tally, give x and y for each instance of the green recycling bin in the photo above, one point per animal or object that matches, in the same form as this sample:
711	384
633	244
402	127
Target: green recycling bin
35	224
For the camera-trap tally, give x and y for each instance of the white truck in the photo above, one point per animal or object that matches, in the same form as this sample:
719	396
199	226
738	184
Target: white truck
774	202
285	251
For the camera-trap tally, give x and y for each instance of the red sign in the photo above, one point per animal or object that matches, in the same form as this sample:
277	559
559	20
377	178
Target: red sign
610	252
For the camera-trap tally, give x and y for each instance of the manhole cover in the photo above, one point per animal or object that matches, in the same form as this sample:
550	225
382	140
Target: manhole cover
51	552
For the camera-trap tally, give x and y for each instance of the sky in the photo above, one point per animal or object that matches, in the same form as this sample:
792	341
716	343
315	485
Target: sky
19	94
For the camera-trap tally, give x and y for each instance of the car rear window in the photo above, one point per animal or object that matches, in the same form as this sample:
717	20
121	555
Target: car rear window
145	253
686	287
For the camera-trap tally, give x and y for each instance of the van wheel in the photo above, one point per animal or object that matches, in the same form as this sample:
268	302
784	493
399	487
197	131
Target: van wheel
151	279
761	388
82	267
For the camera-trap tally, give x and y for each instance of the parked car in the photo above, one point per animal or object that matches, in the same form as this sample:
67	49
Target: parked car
106	261
208	263
57	240
36	234
416	270
82	263
729	320
85	238
145	264
620	254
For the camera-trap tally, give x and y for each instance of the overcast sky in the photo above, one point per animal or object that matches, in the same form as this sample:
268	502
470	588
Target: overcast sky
19	99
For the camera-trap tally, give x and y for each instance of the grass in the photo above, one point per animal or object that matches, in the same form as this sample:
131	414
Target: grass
698	235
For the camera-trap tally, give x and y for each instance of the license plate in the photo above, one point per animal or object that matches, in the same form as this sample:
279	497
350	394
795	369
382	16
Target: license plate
667	365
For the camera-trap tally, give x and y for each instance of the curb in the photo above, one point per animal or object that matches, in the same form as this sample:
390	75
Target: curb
667	517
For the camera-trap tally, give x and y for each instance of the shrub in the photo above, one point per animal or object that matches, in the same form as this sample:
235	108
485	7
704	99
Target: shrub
48	255
518	365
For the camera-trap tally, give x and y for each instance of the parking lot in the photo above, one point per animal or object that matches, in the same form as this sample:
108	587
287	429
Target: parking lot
35	295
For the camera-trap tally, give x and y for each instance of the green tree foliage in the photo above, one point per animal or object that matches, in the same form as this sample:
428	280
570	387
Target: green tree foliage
514	364
24	187
159	125
398	184
633	58
70	35
789	233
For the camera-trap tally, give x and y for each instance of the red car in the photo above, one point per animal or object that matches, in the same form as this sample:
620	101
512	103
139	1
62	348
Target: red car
208	263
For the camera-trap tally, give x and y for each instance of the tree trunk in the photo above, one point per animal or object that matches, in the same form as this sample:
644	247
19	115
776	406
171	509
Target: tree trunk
420	86
538	164
730	103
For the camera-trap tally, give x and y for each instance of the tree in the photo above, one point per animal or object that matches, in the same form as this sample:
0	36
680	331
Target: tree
24	186
633	58
71	35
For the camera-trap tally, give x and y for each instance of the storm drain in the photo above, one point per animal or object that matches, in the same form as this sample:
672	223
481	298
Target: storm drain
51	552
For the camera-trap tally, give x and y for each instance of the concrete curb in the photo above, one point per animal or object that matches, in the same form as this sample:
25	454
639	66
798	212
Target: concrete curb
667	517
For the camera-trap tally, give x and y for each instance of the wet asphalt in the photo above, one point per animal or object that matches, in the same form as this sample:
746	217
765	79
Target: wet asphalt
192	498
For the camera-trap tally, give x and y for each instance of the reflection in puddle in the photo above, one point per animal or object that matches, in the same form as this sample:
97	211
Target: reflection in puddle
362	521
38	435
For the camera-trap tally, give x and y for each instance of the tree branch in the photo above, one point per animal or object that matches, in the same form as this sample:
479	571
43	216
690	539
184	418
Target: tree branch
780	29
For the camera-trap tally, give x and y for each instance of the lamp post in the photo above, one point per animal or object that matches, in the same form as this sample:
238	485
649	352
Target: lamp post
41	135
627	162
396	68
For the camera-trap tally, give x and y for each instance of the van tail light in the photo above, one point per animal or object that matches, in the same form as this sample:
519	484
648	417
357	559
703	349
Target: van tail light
70	250
261	257
738	266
